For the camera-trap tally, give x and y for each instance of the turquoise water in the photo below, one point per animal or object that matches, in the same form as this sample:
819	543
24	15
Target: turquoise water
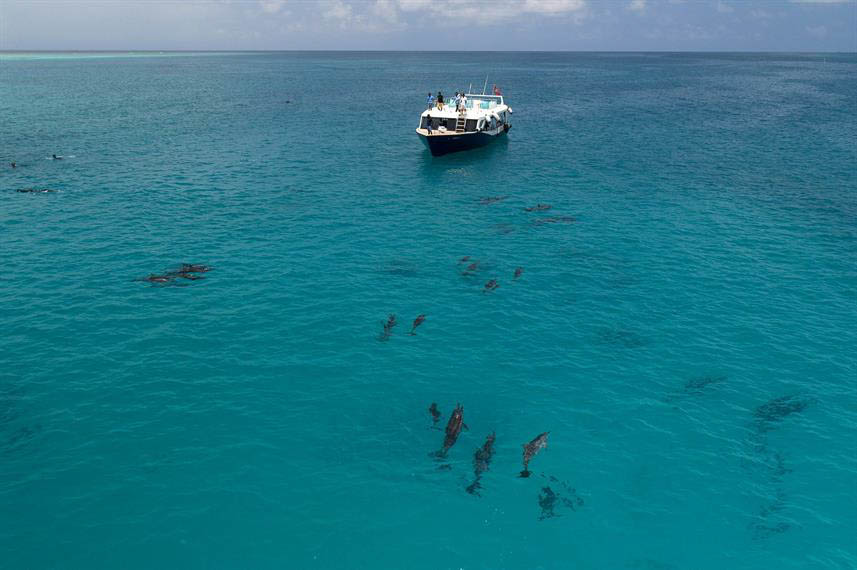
688	340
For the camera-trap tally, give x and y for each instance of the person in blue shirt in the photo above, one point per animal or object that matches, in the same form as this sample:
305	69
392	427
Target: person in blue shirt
429	100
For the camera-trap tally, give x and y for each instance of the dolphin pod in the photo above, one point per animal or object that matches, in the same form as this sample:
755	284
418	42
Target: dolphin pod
483	455
391	322
187	271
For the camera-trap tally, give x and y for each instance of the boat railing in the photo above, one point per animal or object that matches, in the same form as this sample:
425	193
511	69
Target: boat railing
474	101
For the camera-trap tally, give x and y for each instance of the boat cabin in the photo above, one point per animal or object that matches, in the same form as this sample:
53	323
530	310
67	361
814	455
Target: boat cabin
480	113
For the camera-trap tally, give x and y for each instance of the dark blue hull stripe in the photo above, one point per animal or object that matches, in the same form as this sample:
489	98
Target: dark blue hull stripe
445	144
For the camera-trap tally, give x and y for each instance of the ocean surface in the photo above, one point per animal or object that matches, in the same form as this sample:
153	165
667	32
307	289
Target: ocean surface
684	326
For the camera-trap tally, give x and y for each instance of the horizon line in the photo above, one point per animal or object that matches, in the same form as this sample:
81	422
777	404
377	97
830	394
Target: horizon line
132	50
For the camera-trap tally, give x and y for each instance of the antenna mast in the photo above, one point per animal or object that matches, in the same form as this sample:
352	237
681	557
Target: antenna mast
486	84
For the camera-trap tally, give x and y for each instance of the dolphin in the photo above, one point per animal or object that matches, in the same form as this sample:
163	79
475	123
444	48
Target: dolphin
554	220
464	259
388	327
453	428
417	322
532	448
156	278
194	268
538	208
481	461
186	275
491	285
518	272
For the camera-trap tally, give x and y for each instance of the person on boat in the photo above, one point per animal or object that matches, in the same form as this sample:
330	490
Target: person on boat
430	101
440	100
456	99
497	90
462	103
428	125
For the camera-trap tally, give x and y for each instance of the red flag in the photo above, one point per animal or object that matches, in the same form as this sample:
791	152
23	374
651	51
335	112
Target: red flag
497	90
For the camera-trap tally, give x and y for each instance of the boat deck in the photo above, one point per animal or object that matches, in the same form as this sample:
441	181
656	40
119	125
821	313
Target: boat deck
437	133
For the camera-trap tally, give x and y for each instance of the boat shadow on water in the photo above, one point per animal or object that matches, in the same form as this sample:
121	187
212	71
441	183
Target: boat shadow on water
464	158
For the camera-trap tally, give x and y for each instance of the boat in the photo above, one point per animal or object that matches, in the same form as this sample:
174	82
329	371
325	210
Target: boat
483	119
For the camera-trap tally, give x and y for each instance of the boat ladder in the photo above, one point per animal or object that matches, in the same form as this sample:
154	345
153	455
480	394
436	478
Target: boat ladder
460	122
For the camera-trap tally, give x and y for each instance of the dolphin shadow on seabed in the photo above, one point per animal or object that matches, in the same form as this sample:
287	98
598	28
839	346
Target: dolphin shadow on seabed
770	519
769	415
696	386
19	437
10	396
550	500
621	338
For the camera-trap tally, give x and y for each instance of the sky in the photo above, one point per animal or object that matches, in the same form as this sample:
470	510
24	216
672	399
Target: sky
575	25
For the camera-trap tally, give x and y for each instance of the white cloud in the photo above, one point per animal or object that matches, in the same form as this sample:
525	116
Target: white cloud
271	6
386	11
339	11
821	1
478	12
637	6
552	6
724	8
817	31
